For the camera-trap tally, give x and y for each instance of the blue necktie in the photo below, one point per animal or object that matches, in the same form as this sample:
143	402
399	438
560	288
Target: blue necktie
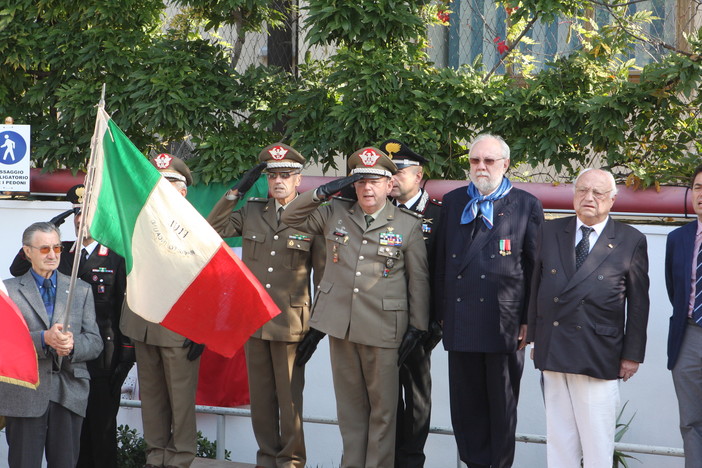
697	310
48	295
47	292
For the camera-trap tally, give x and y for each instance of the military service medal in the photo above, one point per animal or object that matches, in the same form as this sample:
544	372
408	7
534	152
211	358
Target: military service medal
390	238
505	247
389	263
302	237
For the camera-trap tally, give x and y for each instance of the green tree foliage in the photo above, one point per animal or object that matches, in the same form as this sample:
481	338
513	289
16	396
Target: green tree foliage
163	84
365	24
166	83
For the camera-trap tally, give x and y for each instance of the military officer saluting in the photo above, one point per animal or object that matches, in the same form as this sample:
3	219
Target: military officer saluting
373	300
282	259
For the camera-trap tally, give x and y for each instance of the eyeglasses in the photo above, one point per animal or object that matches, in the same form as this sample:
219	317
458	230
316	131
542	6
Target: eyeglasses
597	194
45	249
282	175
486	161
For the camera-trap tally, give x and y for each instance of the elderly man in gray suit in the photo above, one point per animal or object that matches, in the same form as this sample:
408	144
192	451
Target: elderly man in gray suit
50	417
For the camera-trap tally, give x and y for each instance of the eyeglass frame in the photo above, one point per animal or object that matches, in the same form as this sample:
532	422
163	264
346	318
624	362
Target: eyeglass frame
596	194
489	162
45	249
284	175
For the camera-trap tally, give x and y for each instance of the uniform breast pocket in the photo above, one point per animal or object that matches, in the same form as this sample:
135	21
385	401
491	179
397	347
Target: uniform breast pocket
298	249
252	245
103	281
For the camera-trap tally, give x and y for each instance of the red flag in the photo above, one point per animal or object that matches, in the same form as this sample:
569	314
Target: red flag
223	381
18	359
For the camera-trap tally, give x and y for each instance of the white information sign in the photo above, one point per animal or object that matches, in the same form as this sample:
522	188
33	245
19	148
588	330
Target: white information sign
14	158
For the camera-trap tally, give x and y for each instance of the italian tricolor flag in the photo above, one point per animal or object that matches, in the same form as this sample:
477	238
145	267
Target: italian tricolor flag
18	358
180	273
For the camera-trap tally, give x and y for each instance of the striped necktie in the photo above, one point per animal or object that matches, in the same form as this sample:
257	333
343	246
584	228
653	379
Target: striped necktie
697	310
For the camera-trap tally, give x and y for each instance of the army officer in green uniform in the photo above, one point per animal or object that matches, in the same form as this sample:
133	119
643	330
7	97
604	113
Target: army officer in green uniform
373	300
282	259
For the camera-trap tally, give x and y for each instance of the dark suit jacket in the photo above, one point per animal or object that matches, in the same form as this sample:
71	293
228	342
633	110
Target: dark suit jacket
68	387
585	321
482	294
679	253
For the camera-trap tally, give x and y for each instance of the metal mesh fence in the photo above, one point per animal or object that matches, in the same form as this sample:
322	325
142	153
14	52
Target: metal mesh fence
476	28
479	26
473	36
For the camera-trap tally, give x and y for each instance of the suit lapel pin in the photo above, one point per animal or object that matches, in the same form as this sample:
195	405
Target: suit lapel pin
610	246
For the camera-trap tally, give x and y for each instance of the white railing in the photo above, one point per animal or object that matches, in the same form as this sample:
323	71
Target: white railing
222	413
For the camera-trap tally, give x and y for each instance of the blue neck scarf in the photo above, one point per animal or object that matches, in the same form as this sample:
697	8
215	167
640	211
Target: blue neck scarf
484	203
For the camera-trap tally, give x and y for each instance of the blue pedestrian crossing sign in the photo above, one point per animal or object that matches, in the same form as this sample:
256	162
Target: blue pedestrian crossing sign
14	158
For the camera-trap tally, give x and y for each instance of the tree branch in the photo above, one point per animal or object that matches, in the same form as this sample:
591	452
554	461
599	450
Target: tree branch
691	56
511	47
616	5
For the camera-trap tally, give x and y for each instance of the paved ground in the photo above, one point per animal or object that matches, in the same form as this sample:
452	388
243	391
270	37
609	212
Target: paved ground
207	463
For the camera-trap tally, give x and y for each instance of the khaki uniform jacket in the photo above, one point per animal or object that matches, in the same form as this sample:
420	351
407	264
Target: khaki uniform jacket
376	280
140	329
279	256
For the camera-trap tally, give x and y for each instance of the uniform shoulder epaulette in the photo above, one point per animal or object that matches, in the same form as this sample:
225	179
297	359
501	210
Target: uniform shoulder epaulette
411	212
434	201
257	199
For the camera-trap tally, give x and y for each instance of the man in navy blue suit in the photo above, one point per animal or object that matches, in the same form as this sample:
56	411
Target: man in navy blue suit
683	279
486	249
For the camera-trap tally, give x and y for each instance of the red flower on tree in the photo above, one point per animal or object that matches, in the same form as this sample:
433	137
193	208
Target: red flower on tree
501	46
443	16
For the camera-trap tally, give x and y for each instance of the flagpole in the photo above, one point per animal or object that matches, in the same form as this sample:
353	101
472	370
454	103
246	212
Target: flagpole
81	235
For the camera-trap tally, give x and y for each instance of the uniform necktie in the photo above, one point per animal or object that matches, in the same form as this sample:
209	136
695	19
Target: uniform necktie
402	205
47	293
280	214
697	310
85	254
369	220
583	247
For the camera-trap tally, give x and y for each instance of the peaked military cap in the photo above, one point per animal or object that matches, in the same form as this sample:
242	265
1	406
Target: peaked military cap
401	154
171	167
280	155
75	195
372	163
